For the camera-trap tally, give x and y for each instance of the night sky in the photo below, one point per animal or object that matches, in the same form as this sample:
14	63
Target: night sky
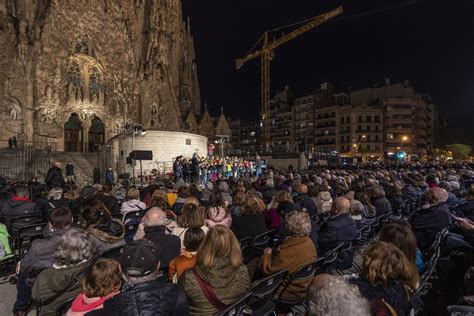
430	43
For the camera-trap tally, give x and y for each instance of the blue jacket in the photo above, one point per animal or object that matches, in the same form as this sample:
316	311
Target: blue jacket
336	229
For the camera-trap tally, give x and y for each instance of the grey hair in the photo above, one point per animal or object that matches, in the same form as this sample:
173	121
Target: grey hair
154	217
335	297
209	186
298	223
223	187
75	246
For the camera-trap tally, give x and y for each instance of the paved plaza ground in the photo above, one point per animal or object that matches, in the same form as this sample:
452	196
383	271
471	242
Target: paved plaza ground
7	297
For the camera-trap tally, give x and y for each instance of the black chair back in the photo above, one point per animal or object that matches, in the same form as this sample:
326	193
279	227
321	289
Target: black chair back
134	216
24	220
261	241
269	285
303	273
460	310
237	308
131	229
33	230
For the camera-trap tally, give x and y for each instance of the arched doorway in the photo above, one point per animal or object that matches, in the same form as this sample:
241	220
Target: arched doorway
73	134
96	134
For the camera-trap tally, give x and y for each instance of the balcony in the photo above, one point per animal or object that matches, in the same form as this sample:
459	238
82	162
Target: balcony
322	143
325	135
323	125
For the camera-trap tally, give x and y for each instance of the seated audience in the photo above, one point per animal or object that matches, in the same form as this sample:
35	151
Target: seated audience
108	198
193	238
105	232
60	283
387	279
40	256
272	218
304	200
431	219
133	203
101	282
218	214
192	216
146	291
251	221
19	205
296	251
218	270
183	194
329	295
155	230
379	201
323	200
55	200
340	227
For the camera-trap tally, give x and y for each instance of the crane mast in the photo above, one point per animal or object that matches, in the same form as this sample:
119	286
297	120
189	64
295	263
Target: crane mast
265	54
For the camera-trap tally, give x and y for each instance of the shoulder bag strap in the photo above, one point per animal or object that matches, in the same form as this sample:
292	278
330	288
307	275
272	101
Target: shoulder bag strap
209	292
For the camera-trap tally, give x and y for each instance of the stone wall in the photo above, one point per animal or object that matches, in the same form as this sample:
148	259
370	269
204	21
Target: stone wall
166	146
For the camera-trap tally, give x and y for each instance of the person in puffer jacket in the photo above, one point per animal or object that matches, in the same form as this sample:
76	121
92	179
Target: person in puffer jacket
324	201
218	215
105	232
133	202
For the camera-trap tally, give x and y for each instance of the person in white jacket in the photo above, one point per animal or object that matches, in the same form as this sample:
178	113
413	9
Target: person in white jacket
133	202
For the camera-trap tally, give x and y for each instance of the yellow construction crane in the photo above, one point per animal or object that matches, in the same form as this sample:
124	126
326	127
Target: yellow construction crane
266	53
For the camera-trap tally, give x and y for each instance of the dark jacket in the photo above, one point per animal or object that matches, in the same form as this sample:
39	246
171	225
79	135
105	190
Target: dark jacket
40	254
53	287
69	169
337	229
248	225
17	207
428	222
52	204
306	202
396	202
54	178
267	194
393	293
169	245
108	236
382	205
156	297
111	202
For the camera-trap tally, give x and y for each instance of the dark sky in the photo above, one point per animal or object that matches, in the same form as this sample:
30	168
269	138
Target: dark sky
429	42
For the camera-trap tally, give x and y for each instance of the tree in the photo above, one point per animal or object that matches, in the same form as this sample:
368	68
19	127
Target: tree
460	151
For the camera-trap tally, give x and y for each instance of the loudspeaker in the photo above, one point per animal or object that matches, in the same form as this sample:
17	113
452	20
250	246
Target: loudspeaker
141	155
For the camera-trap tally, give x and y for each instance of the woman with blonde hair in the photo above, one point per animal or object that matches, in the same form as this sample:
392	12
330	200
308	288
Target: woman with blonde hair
387	279
192	216
219	272
251	221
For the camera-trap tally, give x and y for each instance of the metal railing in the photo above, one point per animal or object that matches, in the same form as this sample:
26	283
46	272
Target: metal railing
25	162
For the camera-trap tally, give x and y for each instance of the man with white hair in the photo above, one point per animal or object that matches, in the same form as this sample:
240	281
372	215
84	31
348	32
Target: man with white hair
329	295
429	221
156	231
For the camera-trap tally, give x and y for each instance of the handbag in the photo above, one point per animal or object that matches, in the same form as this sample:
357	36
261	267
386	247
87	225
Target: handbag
209	292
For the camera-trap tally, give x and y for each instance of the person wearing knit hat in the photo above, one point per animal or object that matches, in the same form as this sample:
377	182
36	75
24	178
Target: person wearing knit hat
147	291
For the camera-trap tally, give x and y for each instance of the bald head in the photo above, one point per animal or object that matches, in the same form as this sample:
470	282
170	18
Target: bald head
341	205
154	217
302	188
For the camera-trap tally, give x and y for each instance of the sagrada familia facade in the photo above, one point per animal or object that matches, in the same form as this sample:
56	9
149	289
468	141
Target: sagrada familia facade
75	72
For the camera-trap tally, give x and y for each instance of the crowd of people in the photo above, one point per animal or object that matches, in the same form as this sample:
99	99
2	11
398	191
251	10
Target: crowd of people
176	247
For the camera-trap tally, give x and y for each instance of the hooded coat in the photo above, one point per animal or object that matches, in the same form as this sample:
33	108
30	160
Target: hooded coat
228	283
17	206
132	206
54	286
108	235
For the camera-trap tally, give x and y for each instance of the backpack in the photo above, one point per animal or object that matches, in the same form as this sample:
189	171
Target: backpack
5	249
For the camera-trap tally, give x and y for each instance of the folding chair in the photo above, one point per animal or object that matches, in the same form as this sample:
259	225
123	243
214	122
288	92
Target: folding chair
267	286
261	241
460	310
237	308
304	273
131	229
245	242
29	232
134	216
24	220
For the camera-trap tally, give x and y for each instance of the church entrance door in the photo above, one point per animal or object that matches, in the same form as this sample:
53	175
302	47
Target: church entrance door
96	134
73	134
